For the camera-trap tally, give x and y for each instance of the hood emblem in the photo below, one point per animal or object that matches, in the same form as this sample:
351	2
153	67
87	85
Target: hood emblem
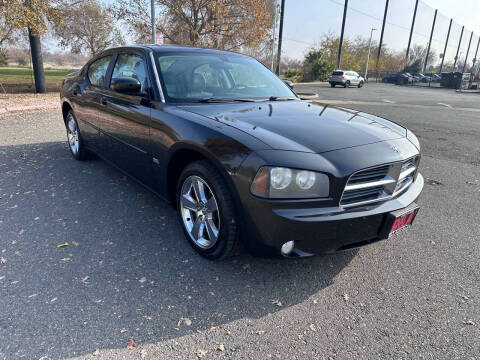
396	149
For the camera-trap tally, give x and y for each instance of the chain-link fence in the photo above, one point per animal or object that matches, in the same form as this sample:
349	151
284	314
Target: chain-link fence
380	40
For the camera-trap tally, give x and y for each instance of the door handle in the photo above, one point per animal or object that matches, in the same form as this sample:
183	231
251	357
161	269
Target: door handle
104	100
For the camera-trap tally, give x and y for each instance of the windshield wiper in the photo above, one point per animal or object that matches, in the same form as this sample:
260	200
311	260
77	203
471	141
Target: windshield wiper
281	98
223	100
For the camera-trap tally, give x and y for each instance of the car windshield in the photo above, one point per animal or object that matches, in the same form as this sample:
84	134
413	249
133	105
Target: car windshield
194	77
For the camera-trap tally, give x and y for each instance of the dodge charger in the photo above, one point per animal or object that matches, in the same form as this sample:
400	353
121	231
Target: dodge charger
240	156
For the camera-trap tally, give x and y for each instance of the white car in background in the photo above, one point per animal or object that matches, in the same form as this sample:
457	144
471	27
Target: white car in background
346	79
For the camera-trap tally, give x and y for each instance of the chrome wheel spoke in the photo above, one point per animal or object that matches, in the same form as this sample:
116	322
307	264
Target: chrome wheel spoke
71	126
189	203
196	229
211	230
199	190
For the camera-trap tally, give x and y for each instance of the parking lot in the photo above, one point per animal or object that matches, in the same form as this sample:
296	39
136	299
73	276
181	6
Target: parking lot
128	271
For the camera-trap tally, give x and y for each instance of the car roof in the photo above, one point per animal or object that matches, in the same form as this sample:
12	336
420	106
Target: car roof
174	48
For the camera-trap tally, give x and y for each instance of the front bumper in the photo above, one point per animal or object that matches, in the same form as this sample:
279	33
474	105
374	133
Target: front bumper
326	229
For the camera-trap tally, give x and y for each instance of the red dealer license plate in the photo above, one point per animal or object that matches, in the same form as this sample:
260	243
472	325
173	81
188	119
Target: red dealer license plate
403	221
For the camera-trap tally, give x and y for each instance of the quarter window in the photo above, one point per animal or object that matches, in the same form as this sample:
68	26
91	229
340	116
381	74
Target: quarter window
97	71
131	66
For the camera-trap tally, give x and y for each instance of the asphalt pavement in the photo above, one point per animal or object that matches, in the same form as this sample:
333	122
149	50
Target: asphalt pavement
128	272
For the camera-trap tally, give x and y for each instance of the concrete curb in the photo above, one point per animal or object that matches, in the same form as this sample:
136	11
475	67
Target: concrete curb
11	109
312	83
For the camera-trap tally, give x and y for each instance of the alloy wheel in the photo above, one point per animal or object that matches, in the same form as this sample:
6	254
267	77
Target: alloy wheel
72	135
199	211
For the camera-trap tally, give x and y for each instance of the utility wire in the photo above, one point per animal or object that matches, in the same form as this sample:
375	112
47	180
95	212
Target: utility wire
378	19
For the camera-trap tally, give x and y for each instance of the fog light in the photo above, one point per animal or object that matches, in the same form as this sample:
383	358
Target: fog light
287	247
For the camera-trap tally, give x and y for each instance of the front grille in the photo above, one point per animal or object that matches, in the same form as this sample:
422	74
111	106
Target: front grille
361	195
369	175
379	183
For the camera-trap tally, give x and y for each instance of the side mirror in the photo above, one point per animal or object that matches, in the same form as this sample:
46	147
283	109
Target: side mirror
126	85
288	83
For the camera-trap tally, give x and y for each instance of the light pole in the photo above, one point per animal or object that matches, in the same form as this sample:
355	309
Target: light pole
273	36
152	10
280	37
368	56
459	55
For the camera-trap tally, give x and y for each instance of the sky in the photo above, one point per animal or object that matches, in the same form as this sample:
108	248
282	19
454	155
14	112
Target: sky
306	21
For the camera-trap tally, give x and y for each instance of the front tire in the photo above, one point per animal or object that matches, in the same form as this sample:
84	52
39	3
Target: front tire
74	138
360	84
206	211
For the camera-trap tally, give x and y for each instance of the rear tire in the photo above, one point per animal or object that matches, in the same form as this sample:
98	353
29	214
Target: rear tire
206	211
347	84
332	85
74	138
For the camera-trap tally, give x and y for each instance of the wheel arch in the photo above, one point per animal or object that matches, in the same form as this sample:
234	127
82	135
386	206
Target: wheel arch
183	154
66	107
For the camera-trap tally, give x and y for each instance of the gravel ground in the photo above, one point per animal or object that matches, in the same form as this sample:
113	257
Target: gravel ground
16	100
128	272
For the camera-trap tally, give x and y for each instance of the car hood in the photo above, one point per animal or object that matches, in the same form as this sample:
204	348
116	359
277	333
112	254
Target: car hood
302	126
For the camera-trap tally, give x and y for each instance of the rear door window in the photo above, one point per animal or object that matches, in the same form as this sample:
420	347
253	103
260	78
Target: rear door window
98	70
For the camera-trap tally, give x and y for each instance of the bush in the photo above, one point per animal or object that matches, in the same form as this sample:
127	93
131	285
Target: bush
21	61
414	68
315	68
294	75
3	58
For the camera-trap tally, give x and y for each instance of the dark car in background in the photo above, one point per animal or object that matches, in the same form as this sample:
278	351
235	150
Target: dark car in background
423	77
397	78
239	155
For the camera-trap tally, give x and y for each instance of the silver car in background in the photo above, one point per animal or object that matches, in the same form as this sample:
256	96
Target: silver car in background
346	79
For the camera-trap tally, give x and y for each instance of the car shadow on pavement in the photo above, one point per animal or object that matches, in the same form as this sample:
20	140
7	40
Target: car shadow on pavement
127	270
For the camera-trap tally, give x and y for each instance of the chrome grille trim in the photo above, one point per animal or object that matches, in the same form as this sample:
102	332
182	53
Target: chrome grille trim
379	183
386	180
407	172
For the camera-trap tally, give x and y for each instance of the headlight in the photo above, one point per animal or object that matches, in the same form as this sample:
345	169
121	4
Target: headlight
285	183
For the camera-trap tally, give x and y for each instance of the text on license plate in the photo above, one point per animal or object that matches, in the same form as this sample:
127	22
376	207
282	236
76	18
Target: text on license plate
402	222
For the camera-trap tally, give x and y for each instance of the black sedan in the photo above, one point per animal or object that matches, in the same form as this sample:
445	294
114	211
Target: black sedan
240	156
398	78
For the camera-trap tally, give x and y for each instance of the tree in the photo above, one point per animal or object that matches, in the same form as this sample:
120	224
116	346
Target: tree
221	24
33	15
315	66
8	35
414	68
321	59
137	18
416	57
88	27
3	58
8	29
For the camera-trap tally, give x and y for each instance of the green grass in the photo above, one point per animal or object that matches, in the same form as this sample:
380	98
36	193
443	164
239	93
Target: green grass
20	79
